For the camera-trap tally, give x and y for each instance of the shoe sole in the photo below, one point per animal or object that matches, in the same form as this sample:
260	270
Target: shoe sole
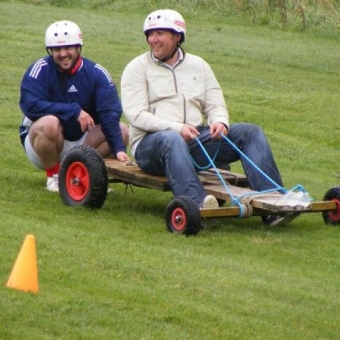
284	220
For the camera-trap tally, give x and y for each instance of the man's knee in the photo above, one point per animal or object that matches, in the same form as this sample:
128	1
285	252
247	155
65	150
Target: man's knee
47	126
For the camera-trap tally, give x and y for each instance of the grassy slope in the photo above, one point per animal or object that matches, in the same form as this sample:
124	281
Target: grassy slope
116	273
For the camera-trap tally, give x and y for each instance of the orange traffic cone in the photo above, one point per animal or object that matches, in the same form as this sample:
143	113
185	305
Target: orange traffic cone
24	274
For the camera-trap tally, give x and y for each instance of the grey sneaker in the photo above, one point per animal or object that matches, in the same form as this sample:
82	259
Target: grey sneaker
53	183
280	220
210	202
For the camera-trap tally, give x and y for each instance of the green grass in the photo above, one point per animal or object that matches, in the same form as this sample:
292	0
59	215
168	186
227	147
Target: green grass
117	273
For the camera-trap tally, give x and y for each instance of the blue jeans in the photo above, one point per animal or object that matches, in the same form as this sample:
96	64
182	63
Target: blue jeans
166	153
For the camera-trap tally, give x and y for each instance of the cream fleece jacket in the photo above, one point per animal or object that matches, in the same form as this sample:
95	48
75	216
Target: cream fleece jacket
157	97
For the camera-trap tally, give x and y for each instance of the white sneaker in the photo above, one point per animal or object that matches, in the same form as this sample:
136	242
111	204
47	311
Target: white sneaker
52	184
210	202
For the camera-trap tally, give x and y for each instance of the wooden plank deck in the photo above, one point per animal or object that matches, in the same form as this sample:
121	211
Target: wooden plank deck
130	173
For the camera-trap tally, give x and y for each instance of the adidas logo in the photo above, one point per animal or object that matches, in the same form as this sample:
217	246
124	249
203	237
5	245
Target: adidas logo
72	89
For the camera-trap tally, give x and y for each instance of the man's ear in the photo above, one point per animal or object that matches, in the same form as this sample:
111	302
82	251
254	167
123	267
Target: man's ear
179	38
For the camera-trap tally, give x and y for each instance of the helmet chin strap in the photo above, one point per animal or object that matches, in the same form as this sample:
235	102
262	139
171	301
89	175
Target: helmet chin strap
75	66
171	55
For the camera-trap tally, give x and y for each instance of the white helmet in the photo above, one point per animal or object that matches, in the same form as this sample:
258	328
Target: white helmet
165	19
63	33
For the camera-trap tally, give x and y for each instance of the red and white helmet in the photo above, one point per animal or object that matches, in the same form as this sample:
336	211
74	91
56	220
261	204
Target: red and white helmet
63	33
165	19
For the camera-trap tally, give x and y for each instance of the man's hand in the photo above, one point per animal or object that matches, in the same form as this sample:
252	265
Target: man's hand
85	120
189	133
216	129
122	156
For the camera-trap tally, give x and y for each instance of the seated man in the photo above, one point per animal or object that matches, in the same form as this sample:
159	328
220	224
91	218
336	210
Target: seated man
170	99
68	100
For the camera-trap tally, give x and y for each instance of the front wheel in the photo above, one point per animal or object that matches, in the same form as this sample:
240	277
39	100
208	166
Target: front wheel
182	216
83	178
333	216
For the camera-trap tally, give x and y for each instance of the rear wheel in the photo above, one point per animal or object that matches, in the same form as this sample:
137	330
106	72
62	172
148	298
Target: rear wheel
83	178
332	217
182	216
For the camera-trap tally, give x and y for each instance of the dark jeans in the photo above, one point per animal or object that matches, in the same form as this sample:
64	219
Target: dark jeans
166	153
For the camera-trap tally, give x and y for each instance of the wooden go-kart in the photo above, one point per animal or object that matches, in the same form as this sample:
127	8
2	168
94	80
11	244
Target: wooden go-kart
84	176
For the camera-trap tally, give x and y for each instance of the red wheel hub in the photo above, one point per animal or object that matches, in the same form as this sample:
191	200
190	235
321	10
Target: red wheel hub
77	181
179	219
334	216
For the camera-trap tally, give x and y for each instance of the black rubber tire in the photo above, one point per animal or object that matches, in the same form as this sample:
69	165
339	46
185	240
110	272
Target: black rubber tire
182	216
332	217
83	179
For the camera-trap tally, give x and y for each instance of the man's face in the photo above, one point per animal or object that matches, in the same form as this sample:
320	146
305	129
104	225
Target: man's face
162	43
65	57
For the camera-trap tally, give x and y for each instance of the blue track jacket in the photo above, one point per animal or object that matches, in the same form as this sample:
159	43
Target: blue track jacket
45	90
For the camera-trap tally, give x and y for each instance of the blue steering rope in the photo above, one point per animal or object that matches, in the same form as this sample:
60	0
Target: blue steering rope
236	201
253	164
211	160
